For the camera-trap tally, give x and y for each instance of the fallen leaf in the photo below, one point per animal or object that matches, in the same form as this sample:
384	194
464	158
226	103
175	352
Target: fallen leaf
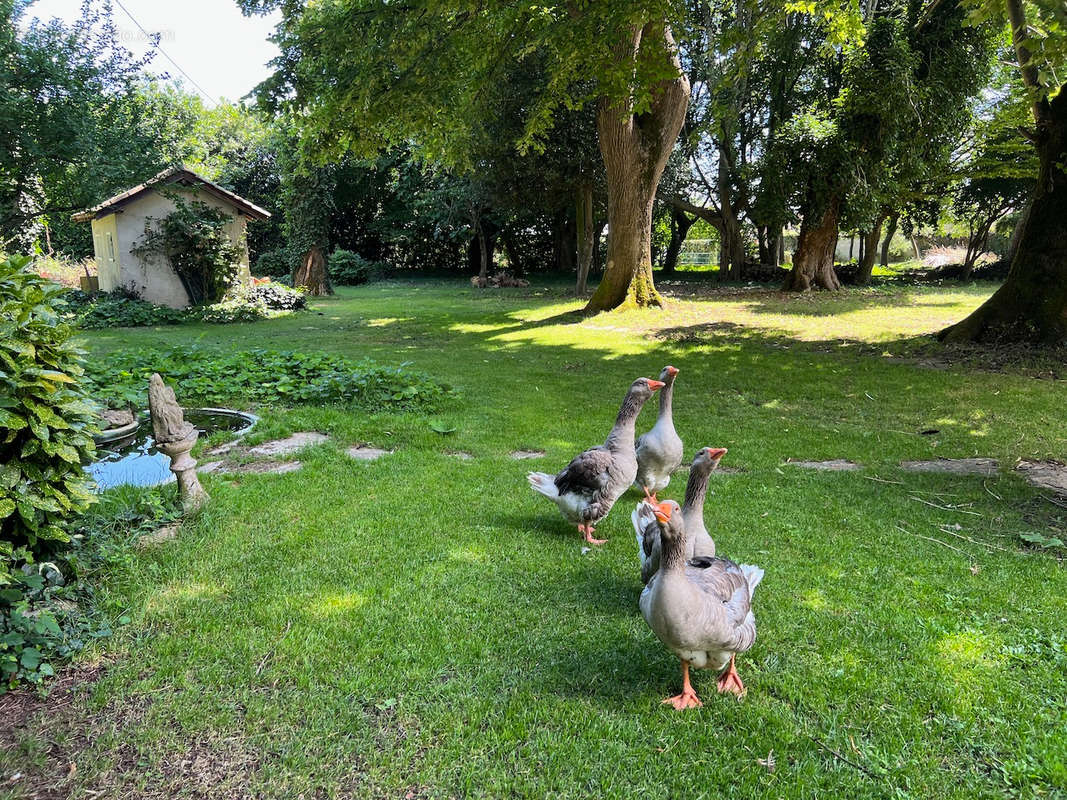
768	762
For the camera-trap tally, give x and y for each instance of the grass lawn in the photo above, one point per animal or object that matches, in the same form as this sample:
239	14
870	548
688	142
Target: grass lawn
423	626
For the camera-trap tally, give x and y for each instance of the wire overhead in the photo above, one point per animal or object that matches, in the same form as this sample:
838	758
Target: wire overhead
164	53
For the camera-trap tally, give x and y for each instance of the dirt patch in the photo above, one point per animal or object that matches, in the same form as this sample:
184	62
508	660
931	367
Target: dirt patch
520	455
222	449
1045	475
956	466
298	441
834	465
461	455
365	453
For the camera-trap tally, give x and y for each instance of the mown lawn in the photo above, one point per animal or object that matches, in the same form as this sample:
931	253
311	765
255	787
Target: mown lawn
424	626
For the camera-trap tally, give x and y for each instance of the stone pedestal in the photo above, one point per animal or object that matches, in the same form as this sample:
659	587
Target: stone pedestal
175	437
183	465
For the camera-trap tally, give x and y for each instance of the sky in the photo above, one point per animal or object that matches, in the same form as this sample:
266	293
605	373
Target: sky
223	52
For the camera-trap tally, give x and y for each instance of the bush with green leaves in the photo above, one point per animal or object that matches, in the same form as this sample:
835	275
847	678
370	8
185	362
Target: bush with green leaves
193	240
352	269
278	297
60	611
243	378
118	310
278	263
46	426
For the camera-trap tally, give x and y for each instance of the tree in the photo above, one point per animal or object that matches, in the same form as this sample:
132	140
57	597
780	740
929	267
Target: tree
66	124
360	76
1031	305
892	103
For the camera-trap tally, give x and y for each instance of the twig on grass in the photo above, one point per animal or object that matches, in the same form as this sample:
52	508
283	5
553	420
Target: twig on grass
848	761
1054	501
991	492
273	647
945	508
943	529
937	541
882	480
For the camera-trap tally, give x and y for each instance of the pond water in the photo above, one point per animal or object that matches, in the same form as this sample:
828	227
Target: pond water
134	459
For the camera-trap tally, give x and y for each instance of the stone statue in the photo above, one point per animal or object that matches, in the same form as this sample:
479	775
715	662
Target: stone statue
175	437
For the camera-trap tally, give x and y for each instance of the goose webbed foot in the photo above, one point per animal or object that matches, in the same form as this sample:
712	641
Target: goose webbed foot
587	534
688	698
650	497
730	681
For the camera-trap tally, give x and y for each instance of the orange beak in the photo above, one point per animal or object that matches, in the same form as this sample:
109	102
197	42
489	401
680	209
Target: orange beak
663	512
715	453
654	385
672	371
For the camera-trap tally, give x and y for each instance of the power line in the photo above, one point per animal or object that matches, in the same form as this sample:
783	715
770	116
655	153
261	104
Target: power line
177	66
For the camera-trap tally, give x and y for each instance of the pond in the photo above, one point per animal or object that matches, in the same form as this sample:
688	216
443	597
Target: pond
133	459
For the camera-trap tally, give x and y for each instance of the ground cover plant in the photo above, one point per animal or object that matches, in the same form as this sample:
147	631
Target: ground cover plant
424	626
121	309
215	377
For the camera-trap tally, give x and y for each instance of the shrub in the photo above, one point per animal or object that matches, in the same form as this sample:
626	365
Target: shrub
277	297
46	429
277	263
118	310
351	269
61	613
193	239
214	377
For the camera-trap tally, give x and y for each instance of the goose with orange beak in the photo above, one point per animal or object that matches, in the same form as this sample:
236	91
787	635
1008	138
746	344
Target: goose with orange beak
700	609
660	451
698	540
590	484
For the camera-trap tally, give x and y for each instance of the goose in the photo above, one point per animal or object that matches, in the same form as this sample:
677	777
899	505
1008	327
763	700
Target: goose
699	542
701	610
660	451
590	484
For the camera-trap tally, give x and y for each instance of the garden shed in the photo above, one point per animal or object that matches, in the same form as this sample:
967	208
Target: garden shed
119	226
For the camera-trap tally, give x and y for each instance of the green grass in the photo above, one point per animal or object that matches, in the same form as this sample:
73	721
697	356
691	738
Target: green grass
422	626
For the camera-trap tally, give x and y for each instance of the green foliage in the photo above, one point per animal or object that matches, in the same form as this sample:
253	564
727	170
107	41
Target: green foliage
351	269
46	428
120	310
277	297
277	263
117	310
59	611
194	241
213	377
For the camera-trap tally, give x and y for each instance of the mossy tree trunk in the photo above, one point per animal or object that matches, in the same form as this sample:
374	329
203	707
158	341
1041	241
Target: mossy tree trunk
635	148
311	275
869	251
813	262
1031	305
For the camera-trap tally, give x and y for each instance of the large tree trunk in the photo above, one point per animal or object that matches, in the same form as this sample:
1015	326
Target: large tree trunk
731	240
635	148
312	275
889	234
869	249
584	219
1031	305
680	225
813	261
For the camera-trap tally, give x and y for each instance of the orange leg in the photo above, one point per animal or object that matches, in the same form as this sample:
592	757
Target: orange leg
587	534
650	496
730	681
688	698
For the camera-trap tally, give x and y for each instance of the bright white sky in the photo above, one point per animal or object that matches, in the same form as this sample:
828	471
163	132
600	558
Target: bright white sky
223	51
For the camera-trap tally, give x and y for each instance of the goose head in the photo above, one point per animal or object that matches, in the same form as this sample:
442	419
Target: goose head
707	459
671	525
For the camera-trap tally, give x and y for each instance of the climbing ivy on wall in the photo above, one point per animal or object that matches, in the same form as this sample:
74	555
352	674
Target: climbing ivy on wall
193	239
